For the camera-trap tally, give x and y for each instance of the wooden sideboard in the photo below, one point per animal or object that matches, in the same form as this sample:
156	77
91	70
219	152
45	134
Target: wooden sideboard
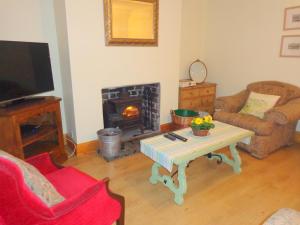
199	98
31	128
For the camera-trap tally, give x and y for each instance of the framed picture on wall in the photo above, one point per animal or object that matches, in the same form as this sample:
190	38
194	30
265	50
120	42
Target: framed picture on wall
290	46
292	18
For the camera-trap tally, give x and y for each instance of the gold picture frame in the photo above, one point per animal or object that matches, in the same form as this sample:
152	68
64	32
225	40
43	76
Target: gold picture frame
131	22
290	46
292	18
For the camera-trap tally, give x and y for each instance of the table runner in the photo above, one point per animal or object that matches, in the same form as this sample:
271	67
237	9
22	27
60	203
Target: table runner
165	151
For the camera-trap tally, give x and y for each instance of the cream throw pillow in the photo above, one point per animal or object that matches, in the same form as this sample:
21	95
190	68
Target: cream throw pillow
35	181
257	104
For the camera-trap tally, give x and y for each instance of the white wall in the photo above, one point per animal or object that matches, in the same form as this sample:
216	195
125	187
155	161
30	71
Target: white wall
66	78
193	23
32	20
242	42
95	66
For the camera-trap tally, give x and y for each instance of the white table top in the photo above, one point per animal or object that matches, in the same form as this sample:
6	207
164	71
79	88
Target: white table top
167	152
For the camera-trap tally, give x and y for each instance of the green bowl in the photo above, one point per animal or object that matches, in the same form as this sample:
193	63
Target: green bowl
185	113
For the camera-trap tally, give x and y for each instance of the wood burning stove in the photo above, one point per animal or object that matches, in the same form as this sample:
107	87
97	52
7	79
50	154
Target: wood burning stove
124	112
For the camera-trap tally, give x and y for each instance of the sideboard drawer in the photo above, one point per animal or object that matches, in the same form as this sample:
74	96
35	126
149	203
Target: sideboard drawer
199	98
188	94
207	91
190	104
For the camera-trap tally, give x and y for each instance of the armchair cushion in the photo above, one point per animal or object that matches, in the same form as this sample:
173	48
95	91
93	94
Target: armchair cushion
285	90
257	104
259	126
35	181
65	176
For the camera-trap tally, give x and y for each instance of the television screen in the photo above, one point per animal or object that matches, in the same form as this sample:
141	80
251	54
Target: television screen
25	69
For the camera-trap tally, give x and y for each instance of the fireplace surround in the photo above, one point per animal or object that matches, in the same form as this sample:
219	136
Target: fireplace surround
131	107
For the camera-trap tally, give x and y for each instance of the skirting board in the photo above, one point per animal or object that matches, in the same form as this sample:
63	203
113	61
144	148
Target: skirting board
297	137
91	146
94	145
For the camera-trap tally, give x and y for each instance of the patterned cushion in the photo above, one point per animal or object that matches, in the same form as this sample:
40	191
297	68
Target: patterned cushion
35	181
284	216
257	104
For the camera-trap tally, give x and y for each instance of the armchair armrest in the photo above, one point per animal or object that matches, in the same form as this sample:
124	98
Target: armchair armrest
231	103
77	200
43	163
283	114
101	188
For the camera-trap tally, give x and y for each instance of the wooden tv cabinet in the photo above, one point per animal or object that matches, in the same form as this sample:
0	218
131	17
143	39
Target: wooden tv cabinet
33	127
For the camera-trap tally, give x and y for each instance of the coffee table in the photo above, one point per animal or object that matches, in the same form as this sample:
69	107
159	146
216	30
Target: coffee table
166	153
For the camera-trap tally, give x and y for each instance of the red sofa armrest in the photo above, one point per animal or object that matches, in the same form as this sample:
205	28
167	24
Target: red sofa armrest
43	163
112	208
77	200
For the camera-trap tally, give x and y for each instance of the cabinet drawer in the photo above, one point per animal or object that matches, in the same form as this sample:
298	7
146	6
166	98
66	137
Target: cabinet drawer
189	94
208	100
207	91
190	104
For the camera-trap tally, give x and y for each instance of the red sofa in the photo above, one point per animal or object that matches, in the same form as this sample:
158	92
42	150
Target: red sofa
87	201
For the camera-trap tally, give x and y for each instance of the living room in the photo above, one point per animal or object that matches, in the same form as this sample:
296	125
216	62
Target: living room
239	41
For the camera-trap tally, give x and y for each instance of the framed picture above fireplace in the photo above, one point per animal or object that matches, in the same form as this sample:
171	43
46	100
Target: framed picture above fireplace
131	22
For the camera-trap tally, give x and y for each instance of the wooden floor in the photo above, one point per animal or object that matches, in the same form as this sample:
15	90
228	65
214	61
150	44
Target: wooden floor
215	196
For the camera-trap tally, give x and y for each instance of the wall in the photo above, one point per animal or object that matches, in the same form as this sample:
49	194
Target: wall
193	23
66	78
242	42
32	20
95	66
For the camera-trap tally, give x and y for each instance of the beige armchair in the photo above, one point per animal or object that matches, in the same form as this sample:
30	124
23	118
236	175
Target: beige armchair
276	129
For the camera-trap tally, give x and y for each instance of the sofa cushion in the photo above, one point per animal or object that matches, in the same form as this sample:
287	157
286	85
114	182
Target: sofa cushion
284	90
259	126
65	176
257	104
35	181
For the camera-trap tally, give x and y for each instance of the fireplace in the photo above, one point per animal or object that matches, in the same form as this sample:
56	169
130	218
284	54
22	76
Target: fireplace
132	107
125	113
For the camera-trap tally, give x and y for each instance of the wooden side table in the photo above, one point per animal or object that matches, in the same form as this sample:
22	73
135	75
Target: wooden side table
47	137
199	98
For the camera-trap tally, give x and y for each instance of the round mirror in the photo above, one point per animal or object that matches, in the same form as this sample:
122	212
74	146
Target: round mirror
198	71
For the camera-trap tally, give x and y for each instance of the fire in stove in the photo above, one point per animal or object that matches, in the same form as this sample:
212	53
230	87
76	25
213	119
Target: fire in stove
131	111
124	113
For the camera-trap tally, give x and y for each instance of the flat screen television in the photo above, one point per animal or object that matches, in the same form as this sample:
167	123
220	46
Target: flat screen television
25	70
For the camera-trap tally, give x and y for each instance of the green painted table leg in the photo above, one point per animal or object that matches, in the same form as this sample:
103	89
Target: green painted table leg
235	162
179	190
155	173
182	185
